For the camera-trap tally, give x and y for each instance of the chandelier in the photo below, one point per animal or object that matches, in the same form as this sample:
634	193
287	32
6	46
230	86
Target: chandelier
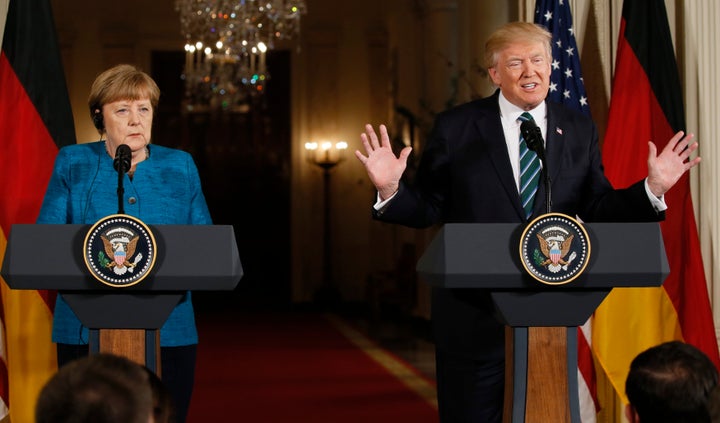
225	46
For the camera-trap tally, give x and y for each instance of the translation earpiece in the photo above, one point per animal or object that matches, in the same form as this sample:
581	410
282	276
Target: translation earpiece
97	118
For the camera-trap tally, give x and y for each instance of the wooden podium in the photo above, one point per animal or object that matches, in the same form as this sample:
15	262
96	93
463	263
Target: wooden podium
123	321
541	340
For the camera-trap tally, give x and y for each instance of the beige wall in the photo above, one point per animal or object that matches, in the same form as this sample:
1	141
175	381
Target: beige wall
96	34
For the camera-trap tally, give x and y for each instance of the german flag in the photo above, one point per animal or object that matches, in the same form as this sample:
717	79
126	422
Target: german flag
646	105
35	121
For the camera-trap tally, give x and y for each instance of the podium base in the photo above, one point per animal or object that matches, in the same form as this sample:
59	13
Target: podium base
139	345
541	371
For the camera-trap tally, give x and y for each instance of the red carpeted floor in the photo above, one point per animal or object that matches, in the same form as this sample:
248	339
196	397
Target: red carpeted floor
300	367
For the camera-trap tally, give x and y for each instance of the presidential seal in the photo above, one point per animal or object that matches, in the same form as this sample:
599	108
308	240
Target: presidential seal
554	249
119	250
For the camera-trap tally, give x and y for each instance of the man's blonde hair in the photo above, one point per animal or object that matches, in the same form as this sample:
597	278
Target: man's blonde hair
511	33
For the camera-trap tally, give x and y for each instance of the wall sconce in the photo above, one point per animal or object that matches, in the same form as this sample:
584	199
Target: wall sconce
326	154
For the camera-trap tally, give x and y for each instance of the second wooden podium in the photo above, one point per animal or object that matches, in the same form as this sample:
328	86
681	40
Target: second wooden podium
541	340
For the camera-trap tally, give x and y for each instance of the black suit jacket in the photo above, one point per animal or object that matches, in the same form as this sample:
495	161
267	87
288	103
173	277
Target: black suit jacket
465	175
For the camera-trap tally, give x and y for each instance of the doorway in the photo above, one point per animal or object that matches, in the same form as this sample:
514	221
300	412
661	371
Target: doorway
244	164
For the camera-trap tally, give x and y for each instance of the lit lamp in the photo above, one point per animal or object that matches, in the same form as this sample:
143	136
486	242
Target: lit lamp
326	155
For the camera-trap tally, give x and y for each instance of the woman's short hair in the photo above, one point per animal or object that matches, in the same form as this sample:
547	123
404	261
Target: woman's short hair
121	82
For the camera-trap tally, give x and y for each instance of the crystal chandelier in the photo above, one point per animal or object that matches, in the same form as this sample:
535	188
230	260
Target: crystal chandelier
225	46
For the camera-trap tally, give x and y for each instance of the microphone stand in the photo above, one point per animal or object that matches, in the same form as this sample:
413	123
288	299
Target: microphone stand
531	133
539	149
546	179
120	189
121	163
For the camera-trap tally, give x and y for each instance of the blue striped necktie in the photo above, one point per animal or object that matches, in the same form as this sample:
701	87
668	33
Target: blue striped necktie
529	171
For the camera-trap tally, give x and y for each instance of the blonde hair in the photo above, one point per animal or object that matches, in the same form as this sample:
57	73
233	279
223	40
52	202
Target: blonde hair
121	82
514	32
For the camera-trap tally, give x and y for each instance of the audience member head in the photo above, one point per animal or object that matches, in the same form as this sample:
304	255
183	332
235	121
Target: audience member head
714	405
163	407
99	388
670	382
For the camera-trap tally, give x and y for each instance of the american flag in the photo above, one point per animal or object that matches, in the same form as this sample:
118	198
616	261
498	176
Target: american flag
566	83
567	87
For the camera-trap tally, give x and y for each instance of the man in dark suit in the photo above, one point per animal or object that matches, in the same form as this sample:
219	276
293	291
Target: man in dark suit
470	172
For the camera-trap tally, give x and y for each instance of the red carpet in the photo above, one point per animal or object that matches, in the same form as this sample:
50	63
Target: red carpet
299	367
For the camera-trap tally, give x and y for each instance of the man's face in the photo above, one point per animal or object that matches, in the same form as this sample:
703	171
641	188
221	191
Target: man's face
522	72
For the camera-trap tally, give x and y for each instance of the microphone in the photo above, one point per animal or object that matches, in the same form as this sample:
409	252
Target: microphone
534	140
123	156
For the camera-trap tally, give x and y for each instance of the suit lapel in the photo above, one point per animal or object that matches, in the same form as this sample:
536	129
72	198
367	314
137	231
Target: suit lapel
490	131
555	143
554	146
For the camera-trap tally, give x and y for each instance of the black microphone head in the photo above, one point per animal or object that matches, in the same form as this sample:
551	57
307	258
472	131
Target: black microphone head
533	137
526	126
123	157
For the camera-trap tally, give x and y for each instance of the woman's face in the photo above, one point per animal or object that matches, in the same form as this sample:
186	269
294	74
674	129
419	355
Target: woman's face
128	122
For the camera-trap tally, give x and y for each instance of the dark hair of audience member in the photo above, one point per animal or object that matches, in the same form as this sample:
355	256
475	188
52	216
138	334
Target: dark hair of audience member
163	407
671	382
99	388
714	405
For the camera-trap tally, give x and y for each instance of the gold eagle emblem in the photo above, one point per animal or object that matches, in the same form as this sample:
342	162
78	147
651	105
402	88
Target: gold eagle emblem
120	252
555	250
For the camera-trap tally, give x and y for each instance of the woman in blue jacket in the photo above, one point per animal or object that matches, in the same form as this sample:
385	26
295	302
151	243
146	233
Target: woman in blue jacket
162	186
